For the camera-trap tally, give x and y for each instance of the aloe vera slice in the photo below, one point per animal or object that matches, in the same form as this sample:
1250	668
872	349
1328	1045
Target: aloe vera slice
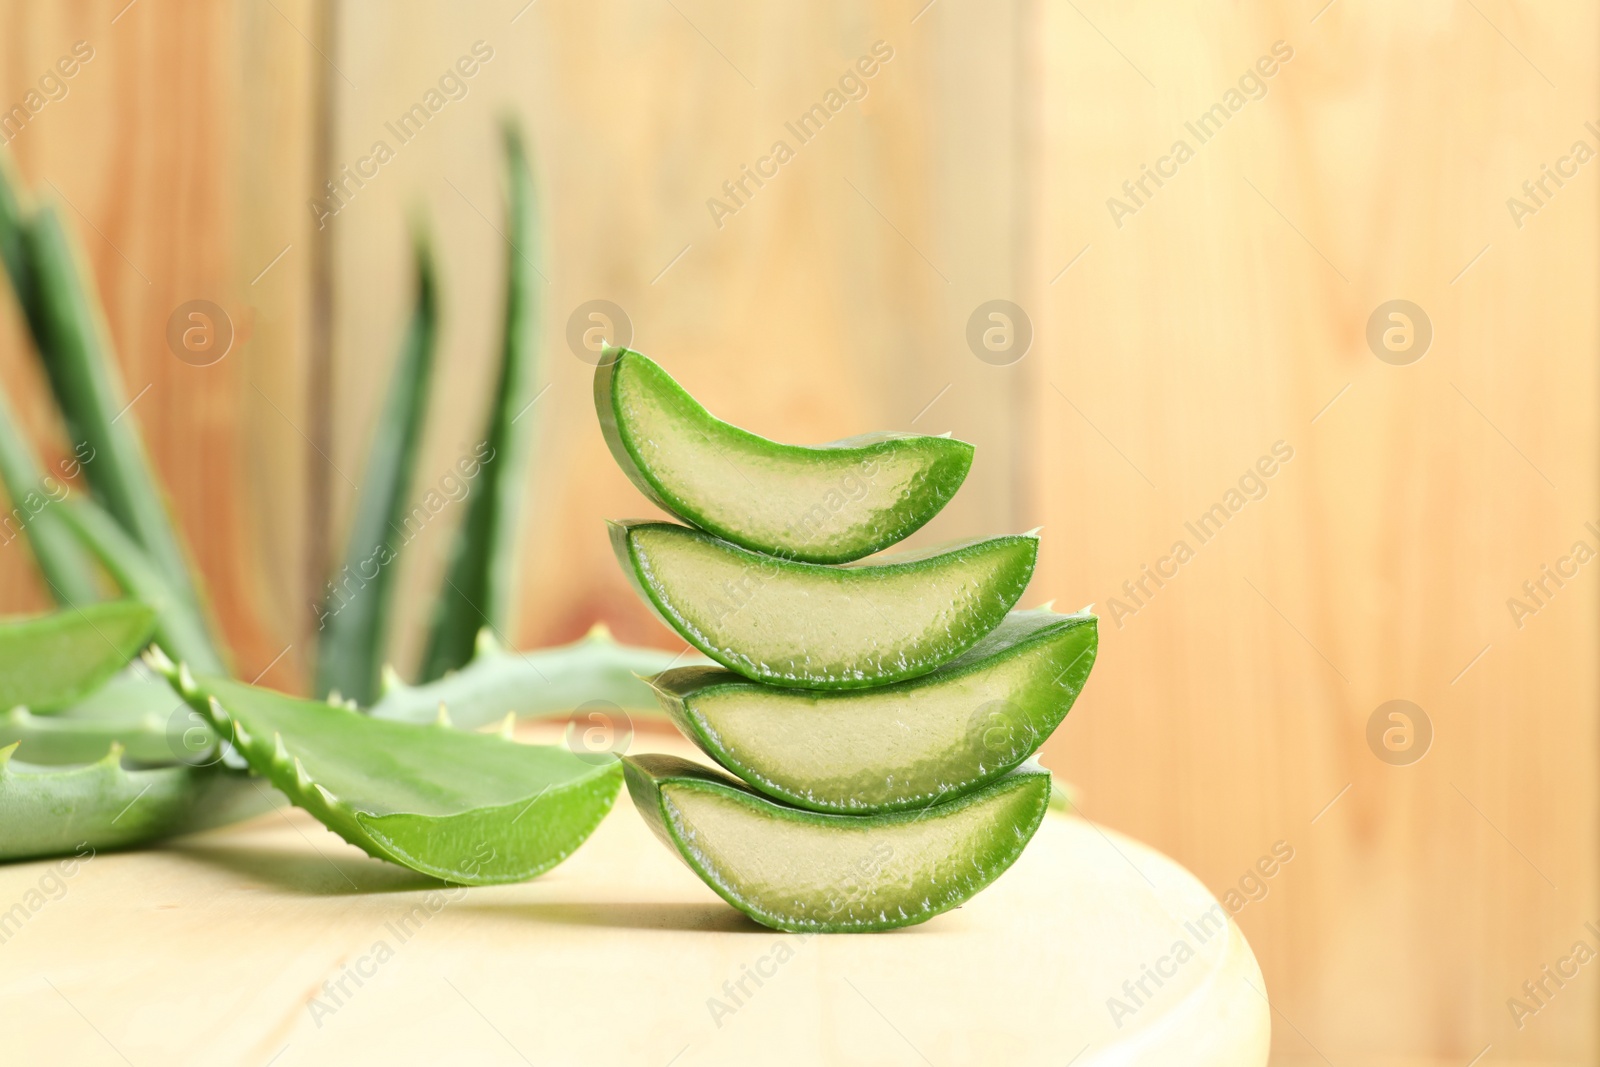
802	871
180	631
814	626
829	503
480	581
50	811
356	616
544	681
475	809
899	746
54	659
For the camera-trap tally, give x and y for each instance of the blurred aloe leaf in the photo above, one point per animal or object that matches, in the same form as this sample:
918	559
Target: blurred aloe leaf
356	612
179	631
67	569
51	811
136	709
63	315
51	660
544	681
480	579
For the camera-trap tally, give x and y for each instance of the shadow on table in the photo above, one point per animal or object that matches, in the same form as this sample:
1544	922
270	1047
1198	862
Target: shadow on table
624	915
312	874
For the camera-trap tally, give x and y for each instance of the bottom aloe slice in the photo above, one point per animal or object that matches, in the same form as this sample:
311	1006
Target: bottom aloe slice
799	870
476	809
896	746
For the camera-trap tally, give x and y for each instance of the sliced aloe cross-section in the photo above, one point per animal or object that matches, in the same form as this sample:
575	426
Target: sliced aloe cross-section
814	626
897	746
827	503
476	809
799	870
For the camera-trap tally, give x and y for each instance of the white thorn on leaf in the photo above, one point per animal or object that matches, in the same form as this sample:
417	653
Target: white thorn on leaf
327	797
508	725
186	684
443	718
484	644
389	680
598	632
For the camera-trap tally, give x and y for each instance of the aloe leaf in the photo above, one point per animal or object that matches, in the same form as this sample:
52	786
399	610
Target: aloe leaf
814	626
50	811
803	871
898	746
545	681
179	631
135	709
480	580
67	569
75	349
829	503
356	614
476	809
13	247
50	660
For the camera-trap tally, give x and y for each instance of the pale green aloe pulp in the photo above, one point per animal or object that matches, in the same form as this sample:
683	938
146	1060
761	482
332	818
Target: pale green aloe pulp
803	871
829	503
815	626
898	746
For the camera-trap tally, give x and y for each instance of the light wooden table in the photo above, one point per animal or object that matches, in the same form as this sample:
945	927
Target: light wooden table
275	942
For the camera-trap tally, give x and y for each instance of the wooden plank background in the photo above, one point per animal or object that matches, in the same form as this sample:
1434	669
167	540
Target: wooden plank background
1226	314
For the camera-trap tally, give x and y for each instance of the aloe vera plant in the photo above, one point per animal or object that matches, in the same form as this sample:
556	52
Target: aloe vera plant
545	681
898	746
481	578
810	625
477	809
460	806
829	503
803	871
52	660
350	652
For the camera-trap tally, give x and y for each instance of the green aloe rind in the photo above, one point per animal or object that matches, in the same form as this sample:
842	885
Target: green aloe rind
51	811
48	661
75	350
893	747
829	503
470	808
67	569
180	631
355	620
803	871
481	578
814	626
135	709
543	682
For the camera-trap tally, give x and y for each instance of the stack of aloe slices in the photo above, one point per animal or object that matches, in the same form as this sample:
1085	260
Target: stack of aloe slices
879	715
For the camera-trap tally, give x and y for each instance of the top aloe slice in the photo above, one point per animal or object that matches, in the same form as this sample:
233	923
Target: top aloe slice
476	809
51	660
912	744
813	626
827	503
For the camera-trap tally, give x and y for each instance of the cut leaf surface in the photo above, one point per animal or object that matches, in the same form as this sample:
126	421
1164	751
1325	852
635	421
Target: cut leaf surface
813	626
802	871
899	746
50	811
464	807
51	660
829	503
543	681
